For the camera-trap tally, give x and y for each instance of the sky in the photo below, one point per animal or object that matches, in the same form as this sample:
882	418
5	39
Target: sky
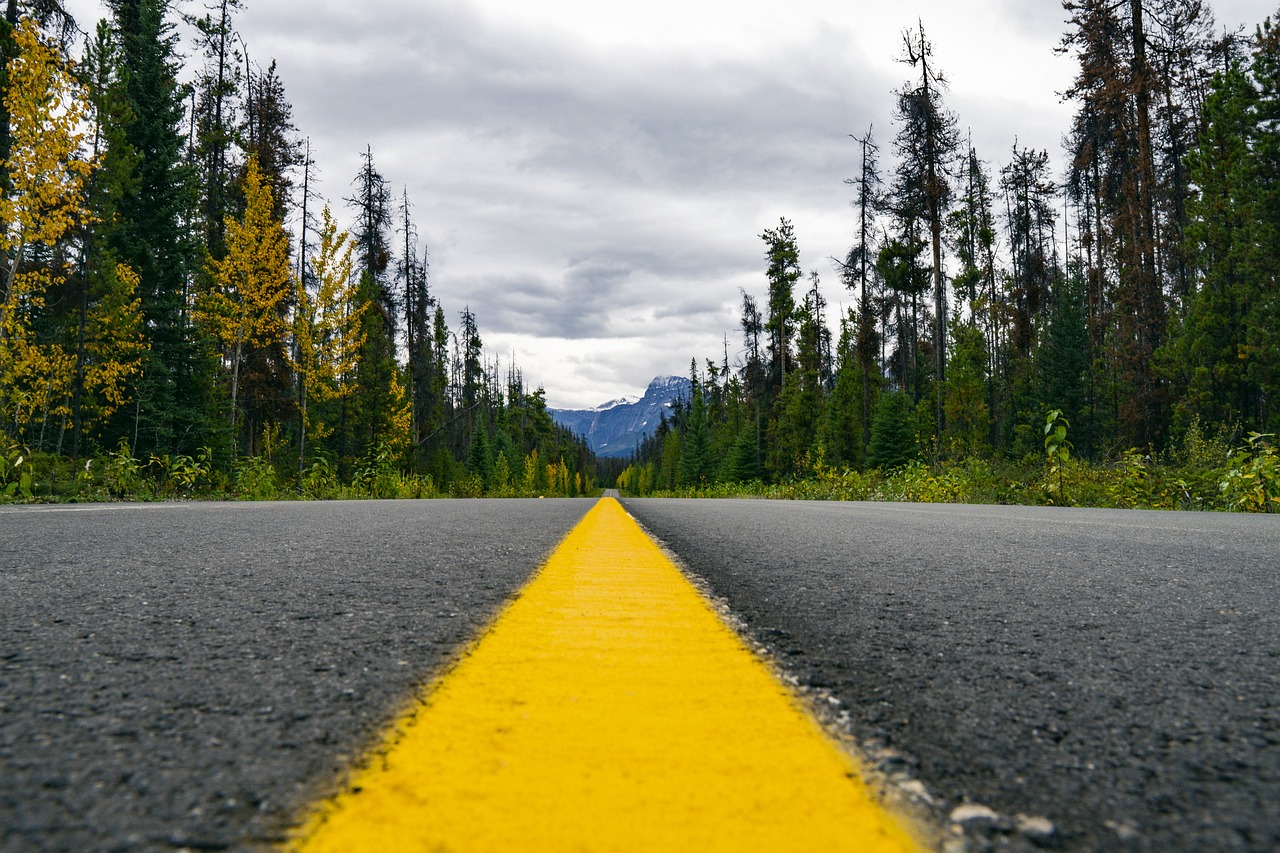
591	178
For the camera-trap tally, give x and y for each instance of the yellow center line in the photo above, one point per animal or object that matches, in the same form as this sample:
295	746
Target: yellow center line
607	708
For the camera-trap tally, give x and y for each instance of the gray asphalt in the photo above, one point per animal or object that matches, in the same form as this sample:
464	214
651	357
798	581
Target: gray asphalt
1116	674
189	676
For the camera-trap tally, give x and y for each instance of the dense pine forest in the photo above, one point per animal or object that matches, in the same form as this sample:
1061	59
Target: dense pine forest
183	314
1110	335
162	333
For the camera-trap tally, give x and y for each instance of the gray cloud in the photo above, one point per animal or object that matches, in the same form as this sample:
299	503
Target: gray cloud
597	205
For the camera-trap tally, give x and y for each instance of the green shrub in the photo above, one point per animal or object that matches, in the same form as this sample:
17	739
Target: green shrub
16	477
1252	480
256	479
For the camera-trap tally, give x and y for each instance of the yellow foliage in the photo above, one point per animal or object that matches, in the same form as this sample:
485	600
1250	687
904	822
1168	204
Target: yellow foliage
399	419
245	307
327	326
49	109
252	283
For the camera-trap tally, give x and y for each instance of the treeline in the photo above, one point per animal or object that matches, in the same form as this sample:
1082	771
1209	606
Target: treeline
1136	295
156	307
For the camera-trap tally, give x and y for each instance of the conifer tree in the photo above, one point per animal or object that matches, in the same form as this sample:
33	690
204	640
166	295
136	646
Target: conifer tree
271	137
783	272
892	442
859	273
152	238
372	204
217	89
926	144
697	464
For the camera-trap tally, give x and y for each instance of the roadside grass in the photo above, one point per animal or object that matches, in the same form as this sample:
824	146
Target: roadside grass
1210	478
1200	474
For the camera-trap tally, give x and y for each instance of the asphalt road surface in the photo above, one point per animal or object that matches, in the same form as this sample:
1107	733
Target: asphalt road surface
1116	674
188	676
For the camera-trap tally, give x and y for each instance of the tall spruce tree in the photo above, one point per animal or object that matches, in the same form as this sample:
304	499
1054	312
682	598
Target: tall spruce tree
926	144
172	411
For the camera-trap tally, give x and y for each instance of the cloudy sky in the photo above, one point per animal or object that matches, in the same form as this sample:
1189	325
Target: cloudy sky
591	177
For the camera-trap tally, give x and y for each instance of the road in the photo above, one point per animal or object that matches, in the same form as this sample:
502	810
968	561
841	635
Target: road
189	676
1116	673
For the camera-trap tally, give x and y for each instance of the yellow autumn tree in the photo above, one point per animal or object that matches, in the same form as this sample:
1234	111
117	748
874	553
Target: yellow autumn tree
244	309
327	329
48	109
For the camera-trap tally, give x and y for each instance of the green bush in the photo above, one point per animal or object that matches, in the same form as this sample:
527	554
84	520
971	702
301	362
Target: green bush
16	478
1252	480
256	479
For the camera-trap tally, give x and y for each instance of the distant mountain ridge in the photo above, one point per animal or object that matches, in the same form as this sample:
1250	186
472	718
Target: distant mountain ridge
614	429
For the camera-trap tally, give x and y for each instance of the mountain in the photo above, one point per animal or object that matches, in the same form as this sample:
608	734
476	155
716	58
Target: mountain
613	429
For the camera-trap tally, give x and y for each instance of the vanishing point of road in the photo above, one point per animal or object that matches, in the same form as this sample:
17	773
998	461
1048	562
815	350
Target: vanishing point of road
201	676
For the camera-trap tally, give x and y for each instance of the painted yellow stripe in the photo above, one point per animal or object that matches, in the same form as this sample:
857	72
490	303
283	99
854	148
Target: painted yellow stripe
607	708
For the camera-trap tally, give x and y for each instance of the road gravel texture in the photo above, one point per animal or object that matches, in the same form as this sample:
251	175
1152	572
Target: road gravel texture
1115	674
189	676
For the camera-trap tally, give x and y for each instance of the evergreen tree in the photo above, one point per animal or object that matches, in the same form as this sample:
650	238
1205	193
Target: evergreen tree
859	273
372	204
1064	358
742	465
697	461
172	411
926	144
892	436
968	422
216	91
271	138
106	292
783	272
847	427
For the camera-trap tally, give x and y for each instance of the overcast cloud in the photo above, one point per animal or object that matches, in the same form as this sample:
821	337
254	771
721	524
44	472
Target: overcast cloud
590	178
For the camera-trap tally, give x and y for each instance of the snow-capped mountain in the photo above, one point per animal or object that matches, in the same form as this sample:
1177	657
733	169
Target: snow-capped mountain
616	427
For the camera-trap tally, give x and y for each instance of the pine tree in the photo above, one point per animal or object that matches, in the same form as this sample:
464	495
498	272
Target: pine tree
926	144
968	421
372	204
697	460
217	88
742	464
152	239
271	138
108	322
892	441
783	272
859	272
1064	357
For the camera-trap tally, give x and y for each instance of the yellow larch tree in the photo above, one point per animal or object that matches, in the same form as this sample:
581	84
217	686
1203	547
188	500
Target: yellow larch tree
327	329
48	109
245	307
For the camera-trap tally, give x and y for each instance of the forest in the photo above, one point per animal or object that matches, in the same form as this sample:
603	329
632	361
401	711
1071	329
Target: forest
164	334
1103	336
1107	336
